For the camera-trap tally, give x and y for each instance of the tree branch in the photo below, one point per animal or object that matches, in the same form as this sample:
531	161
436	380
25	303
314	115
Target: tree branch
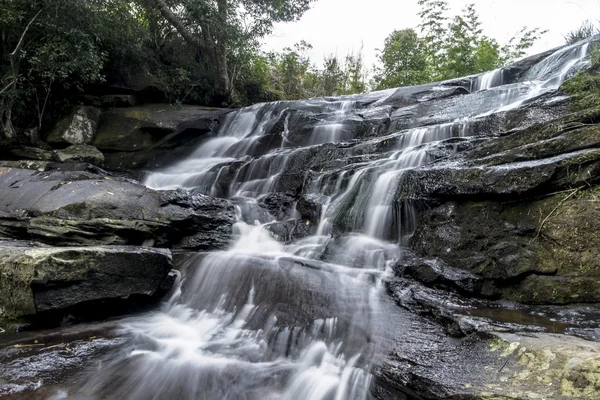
178	25
22	39
6	88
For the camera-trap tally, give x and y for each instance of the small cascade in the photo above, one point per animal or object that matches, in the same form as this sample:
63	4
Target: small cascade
297	318
488	80
553	70
333	130
237	138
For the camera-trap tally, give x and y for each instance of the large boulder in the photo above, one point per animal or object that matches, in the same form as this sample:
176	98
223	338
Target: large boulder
77	128
538	252
139	136
516	212
77	207
38	280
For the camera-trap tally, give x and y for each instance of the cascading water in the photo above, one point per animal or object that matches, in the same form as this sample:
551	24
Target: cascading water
299	320
488	80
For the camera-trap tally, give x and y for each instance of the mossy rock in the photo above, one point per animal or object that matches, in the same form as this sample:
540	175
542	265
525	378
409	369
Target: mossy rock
151	126
546	366
36	280
541	252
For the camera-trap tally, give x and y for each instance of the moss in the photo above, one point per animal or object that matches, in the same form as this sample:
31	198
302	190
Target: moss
583	381
363	129
541	251
547	366
584	89
476	205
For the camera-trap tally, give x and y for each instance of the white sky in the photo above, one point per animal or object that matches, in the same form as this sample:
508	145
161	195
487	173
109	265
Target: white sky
339	26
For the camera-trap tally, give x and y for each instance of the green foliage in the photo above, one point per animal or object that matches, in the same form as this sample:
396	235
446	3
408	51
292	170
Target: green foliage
584	87
47	47
333	77
291	75
74	45
519	44
223	32
356	75
586	30
403	61
445	49
434	30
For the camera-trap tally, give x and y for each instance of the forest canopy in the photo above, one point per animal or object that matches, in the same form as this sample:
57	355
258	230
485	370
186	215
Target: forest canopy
209	52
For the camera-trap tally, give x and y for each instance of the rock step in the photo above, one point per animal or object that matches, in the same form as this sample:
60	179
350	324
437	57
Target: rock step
39	283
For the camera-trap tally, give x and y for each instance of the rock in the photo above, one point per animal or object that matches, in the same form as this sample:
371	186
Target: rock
435	272
197	222
532	251
310	206
290	230
80	207
79	153
108	101
78	128
526	178
74	348
279	205
496	366
468	352
152	126
153	135
25	164
32	153
38	280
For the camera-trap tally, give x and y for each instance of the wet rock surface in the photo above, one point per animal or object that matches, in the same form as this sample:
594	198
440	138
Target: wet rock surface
479	349
36	281
529	251
152	135
79	153
79	207
38	365
440	236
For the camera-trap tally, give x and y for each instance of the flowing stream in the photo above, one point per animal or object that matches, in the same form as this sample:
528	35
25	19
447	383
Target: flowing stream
278	317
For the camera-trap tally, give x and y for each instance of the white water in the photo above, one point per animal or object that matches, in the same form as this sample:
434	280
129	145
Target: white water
269	320
488	80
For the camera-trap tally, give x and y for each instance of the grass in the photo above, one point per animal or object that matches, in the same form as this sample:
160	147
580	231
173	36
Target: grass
584	87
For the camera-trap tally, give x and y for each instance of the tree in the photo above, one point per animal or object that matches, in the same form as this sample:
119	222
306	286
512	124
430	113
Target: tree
487	55
518	45
47	45
433	28
333	77
216	27
445	51
461	44
403	61
355	73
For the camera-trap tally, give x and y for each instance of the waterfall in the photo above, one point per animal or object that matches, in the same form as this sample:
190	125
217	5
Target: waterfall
298	318
488	80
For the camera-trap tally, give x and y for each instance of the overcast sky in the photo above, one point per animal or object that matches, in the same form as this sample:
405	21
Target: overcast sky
339	26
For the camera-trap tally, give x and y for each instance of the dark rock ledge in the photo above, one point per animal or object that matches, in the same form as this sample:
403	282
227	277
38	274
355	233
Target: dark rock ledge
43	284
109	226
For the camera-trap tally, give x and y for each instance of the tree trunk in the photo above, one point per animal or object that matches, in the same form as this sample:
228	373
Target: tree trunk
7	105
178	24
220	54
7	126
213	47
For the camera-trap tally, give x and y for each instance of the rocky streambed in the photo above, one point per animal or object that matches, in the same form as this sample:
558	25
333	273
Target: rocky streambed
431	242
